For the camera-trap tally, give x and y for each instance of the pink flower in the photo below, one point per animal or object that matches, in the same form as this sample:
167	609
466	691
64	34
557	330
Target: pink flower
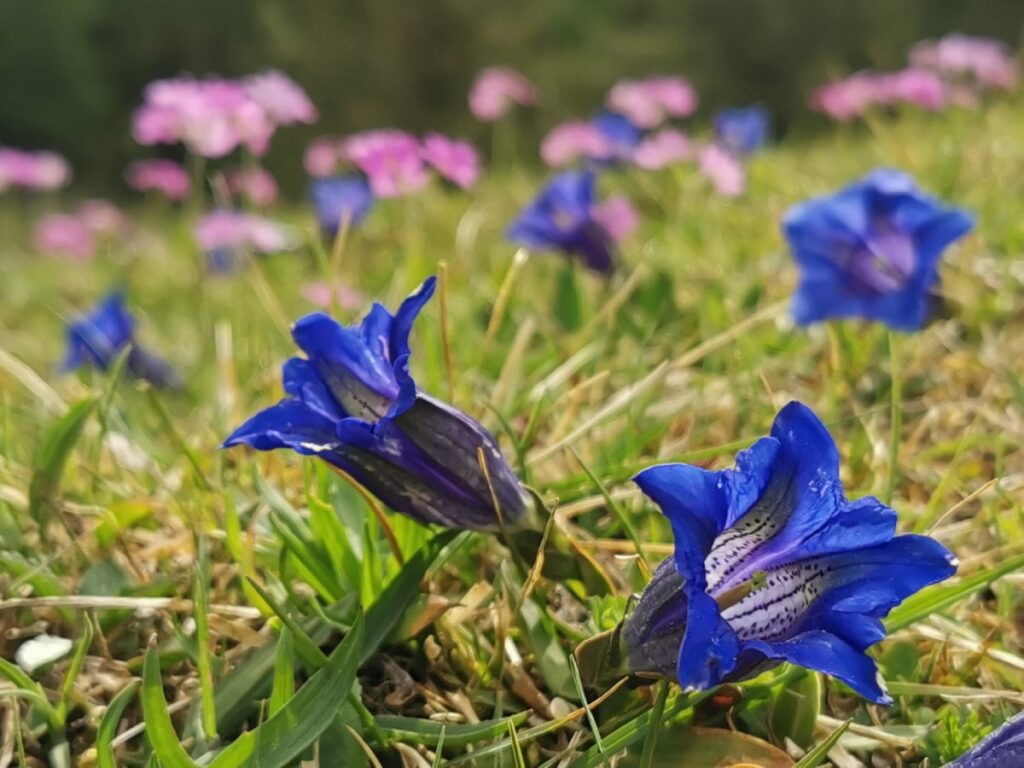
102	217
32	170
455	159
281	97
319	293
648	103
917	86
496	89
617	216
233	230
662	149
572	140
848	98
724	171
323	155
391	161
254	183
211	117
164	176
65	234
989	62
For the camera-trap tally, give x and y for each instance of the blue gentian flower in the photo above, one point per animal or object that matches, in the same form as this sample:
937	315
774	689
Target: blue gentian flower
742	130
772	563
352	402
619	130
871	250
98	338
1000	749
340	198
562	218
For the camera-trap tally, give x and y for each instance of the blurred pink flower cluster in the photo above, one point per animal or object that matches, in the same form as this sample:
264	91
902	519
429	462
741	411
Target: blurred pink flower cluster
21	169
851	97
225	230
952	70
75	235
255	184
496	90
167	177
650	102
984	62
214	116
394	162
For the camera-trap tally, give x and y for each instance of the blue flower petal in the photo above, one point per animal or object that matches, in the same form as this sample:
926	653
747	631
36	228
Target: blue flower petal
340	198
406	316
392	467
361	381
826	653
288	424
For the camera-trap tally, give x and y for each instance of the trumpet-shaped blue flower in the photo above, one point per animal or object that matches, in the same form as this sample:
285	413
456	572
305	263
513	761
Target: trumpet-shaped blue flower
98	338
352	402
871	250
772	563
562	218
742	130
340	198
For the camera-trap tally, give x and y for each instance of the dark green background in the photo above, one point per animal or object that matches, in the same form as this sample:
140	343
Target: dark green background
72	70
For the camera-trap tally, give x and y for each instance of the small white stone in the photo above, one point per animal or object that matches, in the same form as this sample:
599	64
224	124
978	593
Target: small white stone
40	651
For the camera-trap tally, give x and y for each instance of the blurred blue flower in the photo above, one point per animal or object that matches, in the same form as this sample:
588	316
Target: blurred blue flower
871	250
1000	749
352	402
561	217
340	198
623	134
742	130
98	338
772	563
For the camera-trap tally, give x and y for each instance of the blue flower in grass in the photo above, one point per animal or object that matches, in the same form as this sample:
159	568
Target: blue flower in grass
340	198
98	338
562	218
772	563
742	130
871	250
352	402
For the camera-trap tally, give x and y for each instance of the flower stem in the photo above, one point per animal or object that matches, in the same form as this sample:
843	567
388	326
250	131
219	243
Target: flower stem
895	419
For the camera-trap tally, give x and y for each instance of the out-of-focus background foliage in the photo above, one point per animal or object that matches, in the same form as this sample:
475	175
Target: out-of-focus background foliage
71	71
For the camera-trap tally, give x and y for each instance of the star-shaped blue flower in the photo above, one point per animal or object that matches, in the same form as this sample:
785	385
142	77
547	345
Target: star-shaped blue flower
97	339
561	218
352	402
772	563
871	250
742	130
340	198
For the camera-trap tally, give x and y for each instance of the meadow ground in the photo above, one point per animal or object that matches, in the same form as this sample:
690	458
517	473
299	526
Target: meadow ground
242	570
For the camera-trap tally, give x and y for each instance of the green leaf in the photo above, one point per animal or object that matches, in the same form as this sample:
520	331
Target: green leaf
67	689
107	730
159	728
284	672
568	309
301	721
795	709
430	732
819	753
696	747
937	598
204	656
400	592
23	682
53	456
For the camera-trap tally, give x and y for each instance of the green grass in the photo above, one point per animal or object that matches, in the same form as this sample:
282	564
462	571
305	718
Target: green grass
225	581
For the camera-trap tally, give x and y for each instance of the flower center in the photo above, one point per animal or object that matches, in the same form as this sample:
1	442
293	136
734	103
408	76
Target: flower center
883	263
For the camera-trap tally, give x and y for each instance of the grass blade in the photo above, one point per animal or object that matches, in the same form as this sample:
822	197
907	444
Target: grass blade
819	753
107	730
159	728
